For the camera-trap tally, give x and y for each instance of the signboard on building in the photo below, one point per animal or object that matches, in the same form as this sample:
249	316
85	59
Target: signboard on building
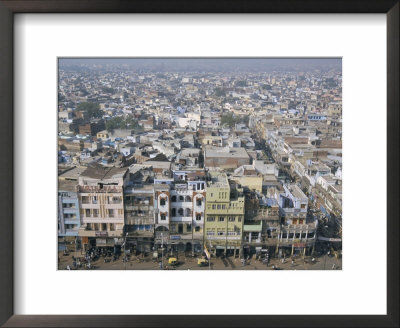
330	239
175	237
101	234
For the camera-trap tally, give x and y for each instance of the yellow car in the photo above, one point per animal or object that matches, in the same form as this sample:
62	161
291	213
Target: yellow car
202	262
172	261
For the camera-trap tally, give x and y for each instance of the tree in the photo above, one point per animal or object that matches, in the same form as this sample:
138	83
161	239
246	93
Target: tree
219	92
241	83
119	122
91	109
228	119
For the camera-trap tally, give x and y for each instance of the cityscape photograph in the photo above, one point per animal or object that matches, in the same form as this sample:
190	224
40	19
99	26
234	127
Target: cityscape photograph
199	164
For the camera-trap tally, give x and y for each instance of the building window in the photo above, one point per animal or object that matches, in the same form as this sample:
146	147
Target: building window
173	212
111	213
218	207
221	233
181	198
198	217
301	221
112	227
173	199
213	207
188	199
239	219
198	202
188	212
180	211
104	227
197	229
303	206
223	207
162	201
188	228
211	219
120	212
95	212
94	200
231	219
87	212
294	221
210	233
221	219
173	228
163	217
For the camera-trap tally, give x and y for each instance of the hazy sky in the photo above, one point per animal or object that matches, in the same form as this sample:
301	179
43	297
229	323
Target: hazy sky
208	64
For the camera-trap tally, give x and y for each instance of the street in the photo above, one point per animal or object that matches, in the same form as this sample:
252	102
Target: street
188	263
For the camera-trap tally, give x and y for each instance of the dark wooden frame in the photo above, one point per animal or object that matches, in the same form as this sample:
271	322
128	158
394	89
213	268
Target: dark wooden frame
7	10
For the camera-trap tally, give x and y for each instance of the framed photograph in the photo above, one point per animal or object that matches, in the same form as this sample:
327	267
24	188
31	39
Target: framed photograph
175	163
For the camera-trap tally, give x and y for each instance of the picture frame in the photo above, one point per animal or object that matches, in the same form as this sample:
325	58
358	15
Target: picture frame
7	10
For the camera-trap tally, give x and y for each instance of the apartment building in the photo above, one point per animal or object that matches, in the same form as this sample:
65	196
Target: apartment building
68	209
298	231
101	193
139	217
223	226
187	210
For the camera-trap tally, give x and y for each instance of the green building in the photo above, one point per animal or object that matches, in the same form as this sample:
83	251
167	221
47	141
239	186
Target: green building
223	227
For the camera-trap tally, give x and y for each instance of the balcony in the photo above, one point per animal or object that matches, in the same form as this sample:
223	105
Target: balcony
252	227
303	241
97	189
139	220
293	210
141	233
180	236
181	219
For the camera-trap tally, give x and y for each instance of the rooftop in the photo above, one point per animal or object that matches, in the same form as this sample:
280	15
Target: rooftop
218	179
101	172
236	152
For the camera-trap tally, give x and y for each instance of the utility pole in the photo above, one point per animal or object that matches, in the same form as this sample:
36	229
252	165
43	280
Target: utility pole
126	235
162	251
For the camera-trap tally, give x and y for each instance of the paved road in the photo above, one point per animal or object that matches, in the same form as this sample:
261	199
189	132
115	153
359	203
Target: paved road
229	263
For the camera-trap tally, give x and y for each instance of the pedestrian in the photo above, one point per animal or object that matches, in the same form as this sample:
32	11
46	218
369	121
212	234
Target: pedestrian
333	266
292	262
68	267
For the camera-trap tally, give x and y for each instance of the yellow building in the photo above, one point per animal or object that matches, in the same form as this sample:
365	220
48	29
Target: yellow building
102	135
223	227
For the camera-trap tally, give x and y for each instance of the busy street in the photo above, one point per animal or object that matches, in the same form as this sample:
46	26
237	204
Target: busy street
77	261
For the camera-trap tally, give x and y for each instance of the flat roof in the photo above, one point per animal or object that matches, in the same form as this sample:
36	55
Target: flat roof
102	172
234	152
218	179
73	173
67	185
